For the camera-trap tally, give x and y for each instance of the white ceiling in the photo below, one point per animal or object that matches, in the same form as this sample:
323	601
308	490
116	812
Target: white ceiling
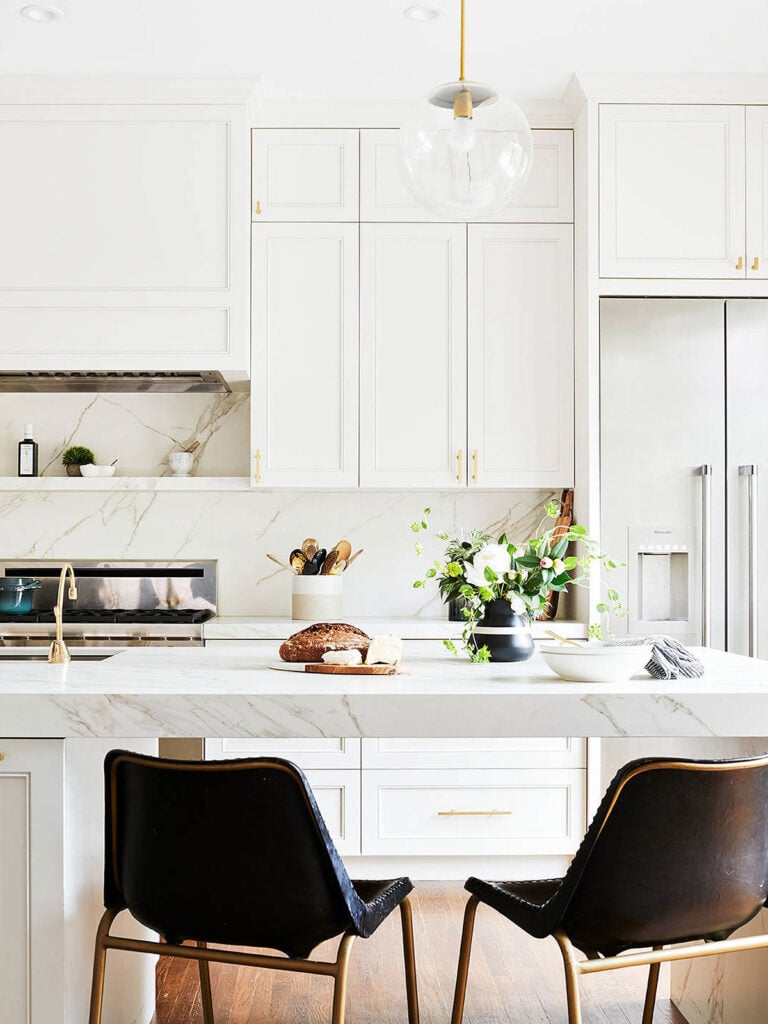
367	49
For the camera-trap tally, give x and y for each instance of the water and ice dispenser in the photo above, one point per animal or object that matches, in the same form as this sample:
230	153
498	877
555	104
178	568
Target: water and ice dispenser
659	570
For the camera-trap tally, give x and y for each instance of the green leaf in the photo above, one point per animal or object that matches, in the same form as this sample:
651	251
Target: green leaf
602	608
427	511
577	532
450	646
528	561
552	509
570	563
431	573
613	594
558	549
561	581
490	575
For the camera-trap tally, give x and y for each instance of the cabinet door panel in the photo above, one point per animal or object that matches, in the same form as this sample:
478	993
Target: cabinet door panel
546	196
413	355
520	356
306	752
525	752
671	191
304	174
305	354
757	192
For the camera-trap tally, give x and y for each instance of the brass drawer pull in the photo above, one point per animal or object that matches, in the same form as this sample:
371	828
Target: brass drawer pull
459	465
475	458
740	263
258	465
2	757
258	207
472	814
756	263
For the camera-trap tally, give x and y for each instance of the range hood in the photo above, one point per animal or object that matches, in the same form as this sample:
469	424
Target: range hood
114	381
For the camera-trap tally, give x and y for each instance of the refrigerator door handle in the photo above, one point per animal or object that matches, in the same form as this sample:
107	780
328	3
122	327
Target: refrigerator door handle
706	554
750	472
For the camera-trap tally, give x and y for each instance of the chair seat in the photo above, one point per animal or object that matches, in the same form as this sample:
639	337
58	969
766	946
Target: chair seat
527	904
380	899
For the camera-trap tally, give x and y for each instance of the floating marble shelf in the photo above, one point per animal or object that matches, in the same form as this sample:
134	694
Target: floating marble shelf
125	483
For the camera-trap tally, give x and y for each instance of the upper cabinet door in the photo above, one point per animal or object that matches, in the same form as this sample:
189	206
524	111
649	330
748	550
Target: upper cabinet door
547	195
130	237
305	355
672	191
413	355
520	355
757	192
304	174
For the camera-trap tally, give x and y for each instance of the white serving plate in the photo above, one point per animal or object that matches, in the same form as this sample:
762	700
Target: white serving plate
594	663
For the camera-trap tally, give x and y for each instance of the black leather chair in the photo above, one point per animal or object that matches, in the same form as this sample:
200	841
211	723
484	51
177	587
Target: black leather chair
677	853
234	853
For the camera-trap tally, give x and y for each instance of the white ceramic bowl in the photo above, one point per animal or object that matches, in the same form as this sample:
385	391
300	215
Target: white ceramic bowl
181	463
93	470
594	663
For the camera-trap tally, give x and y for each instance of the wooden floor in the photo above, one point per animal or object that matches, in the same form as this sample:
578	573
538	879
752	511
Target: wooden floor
513	979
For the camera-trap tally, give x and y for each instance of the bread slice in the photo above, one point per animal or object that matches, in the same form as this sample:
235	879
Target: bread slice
312	643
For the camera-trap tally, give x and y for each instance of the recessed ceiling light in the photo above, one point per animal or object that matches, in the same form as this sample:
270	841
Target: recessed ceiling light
423	12
41	12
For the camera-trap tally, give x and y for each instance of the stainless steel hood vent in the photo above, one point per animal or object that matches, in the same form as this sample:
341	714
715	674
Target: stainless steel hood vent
174	381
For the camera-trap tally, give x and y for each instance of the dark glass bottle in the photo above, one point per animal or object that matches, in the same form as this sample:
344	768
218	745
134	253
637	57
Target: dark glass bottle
28	454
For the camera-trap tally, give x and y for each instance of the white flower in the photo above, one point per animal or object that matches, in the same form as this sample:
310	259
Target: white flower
546	563
495	556
558	565
517	603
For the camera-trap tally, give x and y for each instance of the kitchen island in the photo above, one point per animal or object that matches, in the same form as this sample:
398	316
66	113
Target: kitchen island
58	722
225	692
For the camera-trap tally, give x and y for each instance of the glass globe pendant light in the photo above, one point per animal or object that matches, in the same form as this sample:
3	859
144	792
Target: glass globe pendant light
465	150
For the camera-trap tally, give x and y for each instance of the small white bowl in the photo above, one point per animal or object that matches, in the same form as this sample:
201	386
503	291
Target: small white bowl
594	663
93	470
181	463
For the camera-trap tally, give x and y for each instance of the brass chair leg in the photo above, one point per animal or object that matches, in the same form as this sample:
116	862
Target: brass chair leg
206	997
650	992
340	981
572	974
464	953
100	966
409	956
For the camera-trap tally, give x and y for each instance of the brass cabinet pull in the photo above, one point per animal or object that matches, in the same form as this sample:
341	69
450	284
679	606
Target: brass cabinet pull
2	757
258	465
740	263
755	263
258	207
475	457
459	465
472	814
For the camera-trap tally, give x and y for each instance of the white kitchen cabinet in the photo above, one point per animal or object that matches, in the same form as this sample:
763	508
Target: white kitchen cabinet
305	355
309	753
546	196
304	174
515	752
757	192
520	355
413	355
672	194
130	237
511	812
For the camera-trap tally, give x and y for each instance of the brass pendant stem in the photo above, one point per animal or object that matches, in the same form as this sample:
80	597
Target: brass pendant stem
461	45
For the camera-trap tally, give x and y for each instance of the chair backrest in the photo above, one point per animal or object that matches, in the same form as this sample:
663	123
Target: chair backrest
233	852
678	850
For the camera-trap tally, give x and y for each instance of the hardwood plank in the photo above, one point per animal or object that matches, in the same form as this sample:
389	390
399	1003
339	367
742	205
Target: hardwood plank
513	979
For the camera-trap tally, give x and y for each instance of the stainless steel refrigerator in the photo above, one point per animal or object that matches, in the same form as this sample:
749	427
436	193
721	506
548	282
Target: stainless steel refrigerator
684	437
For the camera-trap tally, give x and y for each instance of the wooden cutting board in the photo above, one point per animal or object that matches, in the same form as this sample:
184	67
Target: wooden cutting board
350	670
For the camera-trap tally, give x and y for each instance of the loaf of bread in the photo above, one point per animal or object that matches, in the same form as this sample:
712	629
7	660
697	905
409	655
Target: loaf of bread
312	643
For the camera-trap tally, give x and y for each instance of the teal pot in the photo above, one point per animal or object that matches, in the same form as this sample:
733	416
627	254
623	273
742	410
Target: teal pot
16	594
506	635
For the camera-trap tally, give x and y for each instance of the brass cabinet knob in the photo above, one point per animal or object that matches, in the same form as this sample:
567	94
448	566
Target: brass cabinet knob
755	263
459	465
258	465
740	263
257	208
475	458
2	757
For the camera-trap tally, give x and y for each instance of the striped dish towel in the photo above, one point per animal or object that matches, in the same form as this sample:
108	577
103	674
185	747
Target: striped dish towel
669	659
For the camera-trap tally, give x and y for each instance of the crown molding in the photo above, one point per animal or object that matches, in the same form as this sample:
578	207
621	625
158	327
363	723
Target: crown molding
130	88
648	88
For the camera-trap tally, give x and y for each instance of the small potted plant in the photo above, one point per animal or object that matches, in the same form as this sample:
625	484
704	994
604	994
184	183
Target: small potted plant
75	457
505	586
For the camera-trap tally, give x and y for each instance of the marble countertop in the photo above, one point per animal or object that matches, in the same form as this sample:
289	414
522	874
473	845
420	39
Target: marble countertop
244	627
226	692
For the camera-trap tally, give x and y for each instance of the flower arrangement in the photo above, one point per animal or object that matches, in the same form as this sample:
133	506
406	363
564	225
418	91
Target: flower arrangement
480	570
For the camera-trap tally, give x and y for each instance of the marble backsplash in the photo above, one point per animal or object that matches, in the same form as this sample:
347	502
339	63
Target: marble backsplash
137	430
238	529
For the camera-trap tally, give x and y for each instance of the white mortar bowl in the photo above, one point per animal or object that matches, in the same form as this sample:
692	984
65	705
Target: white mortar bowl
93	470
594	663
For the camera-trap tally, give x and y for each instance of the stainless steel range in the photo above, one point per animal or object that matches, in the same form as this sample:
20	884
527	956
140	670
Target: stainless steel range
119	604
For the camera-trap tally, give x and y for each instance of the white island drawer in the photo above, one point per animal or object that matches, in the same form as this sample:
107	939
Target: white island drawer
307	753
338	796
471	752
451	813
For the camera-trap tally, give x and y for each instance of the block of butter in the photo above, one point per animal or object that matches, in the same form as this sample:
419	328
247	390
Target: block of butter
384	650
352	657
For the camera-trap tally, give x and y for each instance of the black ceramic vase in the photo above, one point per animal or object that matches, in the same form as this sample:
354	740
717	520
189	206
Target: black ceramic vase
503	632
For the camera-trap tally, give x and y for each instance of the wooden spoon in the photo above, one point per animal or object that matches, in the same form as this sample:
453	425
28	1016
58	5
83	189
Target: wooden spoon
310	547
343	549
281	564
562	639
338	567
298	560
351	560
331	559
